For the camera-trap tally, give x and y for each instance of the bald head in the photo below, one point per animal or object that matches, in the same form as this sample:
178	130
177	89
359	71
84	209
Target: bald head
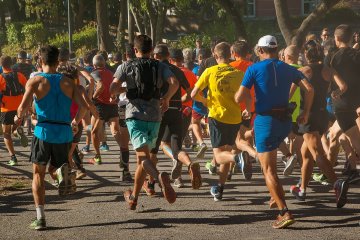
291	54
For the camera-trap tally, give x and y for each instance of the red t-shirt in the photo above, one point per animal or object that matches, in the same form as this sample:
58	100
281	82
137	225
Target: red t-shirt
191	78
106	77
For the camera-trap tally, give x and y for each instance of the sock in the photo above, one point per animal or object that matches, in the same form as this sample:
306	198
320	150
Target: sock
125	158
40	213
283	211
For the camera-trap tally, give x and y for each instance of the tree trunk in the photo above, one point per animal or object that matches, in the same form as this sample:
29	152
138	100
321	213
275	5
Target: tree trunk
235	11
297	36
131	29
120	35
103	23
152	19
138	20
78	13
161	15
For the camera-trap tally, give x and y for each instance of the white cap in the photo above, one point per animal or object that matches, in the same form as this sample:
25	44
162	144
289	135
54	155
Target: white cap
110	55
267	41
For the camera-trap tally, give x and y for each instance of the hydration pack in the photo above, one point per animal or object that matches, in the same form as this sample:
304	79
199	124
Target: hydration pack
13	86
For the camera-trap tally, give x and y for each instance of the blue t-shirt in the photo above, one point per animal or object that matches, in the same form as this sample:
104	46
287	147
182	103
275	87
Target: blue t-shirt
1	71
272	79
198	106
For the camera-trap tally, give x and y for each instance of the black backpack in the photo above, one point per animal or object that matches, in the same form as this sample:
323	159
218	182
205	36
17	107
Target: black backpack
143	79
13	86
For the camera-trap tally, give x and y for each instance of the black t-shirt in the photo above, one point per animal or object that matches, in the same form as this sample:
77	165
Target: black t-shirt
175	101
209	62
346	62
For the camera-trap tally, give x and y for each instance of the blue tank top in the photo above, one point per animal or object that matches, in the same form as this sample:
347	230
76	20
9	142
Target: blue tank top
53	113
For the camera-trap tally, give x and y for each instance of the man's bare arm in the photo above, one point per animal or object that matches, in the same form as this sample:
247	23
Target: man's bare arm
27	99
309	97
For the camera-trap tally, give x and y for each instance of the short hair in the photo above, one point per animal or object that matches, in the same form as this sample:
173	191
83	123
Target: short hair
104	54
269	50
22	55
343	33
325	29
310	36
161	50
118	57
222	50
188	54
6	62
64	54
69	71
292	51
88	57
49	55
99	60
241	48
143	43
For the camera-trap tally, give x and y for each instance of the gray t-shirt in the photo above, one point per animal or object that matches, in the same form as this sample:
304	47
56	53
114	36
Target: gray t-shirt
140	109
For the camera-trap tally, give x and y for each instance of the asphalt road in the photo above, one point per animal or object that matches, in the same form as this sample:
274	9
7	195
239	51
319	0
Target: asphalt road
98	210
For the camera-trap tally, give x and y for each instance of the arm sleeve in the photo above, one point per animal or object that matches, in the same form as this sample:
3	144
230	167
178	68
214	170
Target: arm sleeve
96	76
248	80
203	82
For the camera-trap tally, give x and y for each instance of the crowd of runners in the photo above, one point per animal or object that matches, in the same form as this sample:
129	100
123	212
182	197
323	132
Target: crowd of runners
250	102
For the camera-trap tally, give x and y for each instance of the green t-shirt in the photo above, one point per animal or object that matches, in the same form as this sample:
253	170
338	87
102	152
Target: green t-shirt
296	98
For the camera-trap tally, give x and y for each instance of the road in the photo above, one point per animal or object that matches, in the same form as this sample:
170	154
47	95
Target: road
98	210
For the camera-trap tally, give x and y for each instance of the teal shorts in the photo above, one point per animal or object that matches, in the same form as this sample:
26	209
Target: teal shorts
143	133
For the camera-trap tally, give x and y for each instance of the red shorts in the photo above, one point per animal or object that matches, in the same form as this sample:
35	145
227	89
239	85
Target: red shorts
197	116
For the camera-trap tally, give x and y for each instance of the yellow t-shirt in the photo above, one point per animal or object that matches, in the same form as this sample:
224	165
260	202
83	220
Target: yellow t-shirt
222	81
296	98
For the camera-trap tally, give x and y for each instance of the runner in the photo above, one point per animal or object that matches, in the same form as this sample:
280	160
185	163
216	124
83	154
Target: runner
317	125
53	95
272	80
107	108
12	88
143	113
224	114
176	120
346	64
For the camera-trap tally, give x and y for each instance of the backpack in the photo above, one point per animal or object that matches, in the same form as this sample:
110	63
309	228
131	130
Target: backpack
143	81
13	86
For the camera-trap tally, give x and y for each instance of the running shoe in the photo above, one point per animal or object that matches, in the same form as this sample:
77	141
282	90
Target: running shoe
126	176
201	151
341	188
178	183
24	141
176	169
283	221
166	188
298	194
195	148
80	174
217	193
290	164
62	175
243	163
104	147
96	160
129	198
195	176
211	168
85	149
149	188
320	178
38	224
13	161
354	177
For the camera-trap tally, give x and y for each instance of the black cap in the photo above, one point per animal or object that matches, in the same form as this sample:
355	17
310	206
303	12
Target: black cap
176	53
161	49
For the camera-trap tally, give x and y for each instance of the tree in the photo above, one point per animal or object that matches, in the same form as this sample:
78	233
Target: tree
235	10
120	34
103	26
294	35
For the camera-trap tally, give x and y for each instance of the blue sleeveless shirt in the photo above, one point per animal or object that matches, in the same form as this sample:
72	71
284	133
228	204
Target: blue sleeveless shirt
53	113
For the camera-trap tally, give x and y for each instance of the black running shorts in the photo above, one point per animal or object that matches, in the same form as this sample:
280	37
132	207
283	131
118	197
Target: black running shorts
7	118
106	111
222	134
43	152
346	120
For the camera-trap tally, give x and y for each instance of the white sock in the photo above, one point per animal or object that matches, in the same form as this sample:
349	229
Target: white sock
40	213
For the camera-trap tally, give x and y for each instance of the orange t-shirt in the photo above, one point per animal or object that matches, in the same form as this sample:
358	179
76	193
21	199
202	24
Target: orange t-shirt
191	77
242	65
11	103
